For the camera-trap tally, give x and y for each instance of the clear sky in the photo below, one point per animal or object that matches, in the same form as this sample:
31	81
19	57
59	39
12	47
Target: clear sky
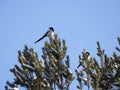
80	22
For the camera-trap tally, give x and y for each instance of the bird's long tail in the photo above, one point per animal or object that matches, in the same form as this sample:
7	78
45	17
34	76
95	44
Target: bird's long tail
40	39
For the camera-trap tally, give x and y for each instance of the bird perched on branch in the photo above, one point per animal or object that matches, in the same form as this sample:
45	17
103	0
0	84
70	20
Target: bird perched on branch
88	58
49	33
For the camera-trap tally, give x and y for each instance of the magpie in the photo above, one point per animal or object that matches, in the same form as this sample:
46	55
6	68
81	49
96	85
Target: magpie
88	56
49	33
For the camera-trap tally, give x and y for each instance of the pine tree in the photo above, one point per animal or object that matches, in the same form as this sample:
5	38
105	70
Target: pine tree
99	76
51	73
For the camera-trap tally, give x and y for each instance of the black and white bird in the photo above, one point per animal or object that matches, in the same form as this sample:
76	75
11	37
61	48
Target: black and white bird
88	58
49	33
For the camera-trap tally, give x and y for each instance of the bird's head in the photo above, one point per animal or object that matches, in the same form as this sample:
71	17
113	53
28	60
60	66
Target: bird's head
88	54
51	28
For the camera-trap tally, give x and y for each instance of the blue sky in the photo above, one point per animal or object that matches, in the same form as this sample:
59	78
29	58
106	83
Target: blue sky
80	22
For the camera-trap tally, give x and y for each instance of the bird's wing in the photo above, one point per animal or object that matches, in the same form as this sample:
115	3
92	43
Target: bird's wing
41	37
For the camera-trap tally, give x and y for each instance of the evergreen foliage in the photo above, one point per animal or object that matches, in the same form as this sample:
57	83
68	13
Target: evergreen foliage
50	73
99	76
53	72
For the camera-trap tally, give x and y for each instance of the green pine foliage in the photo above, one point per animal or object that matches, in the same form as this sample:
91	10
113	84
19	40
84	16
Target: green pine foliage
99	76
53	72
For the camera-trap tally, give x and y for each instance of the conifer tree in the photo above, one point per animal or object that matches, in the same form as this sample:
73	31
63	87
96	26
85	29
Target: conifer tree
52	72
102	76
